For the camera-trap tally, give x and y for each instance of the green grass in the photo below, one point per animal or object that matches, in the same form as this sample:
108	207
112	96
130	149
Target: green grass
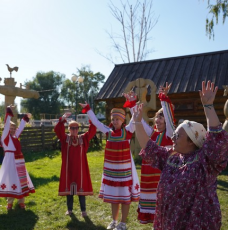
46	210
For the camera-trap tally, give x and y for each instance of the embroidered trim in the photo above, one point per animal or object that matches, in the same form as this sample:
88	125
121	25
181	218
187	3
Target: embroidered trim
159	138
118	138
215	130
181	164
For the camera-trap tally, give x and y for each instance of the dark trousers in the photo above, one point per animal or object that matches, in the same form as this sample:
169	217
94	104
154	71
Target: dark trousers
70	201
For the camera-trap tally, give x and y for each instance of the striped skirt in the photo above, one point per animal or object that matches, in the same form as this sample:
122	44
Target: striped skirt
14	178
147	203
120	182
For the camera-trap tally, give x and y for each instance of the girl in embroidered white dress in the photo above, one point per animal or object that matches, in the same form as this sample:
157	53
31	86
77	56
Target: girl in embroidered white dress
120	184
14	179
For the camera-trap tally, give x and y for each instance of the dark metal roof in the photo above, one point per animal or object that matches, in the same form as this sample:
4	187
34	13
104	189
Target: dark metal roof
185	72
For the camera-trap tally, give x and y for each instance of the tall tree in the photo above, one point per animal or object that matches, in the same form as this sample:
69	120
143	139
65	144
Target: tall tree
48	85
215	10
73	93
136	23
2	114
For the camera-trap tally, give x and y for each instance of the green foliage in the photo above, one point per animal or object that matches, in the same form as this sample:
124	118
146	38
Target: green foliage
73	93
2	110
48	85
2	114
220	7
100	108
46	210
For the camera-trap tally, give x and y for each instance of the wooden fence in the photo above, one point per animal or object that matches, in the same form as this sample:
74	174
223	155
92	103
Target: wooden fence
44	138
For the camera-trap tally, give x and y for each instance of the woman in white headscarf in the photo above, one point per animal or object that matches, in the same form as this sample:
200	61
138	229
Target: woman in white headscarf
186	194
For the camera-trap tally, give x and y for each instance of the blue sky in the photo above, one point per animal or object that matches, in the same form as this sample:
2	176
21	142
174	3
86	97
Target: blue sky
63	35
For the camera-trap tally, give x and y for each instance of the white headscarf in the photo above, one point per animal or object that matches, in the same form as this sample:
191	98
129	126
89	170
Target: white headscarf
195	131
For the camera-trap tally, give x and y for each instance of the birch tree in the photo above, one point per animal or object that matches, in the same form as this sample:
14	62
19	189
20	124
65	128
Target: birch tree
136	23
215	10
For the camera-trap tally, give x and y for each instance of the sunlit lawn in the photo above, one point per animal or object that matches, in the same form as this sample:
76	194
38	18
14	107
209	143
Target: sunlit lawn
46	210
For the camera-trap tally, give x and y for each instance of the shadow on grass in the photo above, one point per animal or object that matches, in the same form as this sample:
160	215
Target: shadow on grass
76	224
223	183
18	219
40	181
33	156
138	166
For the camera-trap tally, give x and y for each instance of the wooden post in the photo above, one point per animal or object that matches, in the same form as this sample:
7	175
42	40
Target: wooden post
42	136
141	91
11	92
100	134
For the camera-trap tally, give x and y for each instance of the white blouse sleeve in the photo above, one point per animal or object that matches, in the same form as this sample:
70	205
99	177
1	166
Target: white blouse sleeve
7	142
103	128
131	126
148	129
6	128
20	128
170	128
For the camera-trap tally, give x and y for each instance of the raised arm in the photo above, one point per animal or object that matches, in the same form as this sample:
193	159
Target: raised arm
86	109
214	155
150	152
139	129
207	96
91	132
21	127
131	99
8	116
60	128
167	109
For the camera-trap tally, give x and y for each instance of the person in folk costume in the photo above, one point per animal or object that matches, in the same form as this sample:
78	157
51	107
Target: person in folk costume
186	194
14	178
75	176
161	134
120	184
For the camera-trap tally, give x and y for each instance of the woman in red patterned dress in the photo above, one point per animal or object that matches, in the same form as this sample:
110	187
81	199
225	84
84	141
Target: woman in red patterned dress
161	134
75	176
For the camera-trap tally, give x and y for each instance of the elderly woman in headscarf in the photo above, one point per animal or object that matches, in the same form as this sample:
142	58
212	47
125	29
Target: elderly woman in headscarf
186	194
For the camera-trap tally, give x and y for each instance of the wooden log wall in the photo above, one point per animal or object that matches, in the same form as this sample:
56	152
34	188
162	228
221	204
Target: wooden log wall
37	138
187	106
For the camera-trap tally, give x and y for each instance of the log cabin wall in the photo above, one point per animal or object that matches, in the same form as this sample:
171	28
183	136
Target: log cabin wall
186	74
187	106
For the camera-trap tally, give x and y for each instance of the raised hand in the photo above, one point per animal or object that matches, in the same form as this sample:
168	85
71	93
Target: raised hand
130	96
139	129
29	115
165	89
11	106
83	105
208	92
138	113
66	115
